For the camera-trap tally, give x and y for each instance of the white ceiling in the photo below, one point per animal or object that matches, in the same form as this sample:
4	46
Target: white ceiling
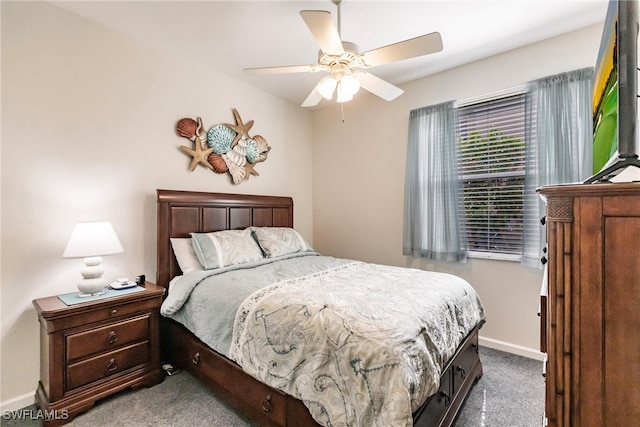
231	35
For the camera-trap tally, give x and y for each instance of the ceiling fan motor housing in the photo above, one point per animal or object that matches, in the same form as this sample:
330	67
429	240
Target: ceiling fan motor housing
350	57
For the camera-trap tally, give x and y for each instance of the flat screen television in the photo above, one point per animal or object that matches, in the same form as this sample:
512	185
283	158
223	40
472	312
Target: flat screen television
615	93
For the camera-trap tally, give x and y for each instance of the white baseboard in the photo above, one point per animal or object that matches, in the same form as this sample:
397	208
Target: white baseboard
18	402
511	348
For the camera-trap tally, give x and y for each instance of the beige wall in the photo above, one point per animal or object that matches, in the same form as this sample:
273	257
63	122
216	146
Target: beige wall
358	179
88	133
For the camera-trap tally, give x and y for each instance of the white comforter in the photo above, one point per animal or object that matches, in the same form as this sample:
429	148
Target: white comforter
360	344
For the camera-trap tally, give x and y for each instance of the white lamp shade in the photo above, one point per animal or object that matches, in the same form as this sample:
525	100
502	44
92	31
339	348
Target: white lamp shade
90	239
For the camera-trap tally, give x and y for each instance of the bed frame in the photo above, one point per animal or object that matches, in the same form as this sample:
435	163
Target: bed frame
182	212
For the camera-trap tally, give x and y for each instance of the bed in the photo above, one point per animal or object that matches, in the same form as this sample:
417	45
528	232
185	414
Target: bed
180	213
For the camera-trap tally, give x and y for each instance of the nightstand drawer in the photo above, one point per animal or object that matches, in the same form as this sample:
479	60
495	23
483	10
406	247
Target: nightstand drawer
107	338
87	371
80	316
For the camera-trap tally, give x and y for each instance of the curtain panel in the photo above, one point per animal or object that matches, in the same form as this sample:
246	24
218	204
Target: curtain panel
559	135
433	217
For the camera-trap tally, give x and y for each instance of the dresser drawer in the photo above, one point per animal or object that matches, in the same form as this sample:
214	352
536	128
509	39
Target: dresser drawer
107	337
103	366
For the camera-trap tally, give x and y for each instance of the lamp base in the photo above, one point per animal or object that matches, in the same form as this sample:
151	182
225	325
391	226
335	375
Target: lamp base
92	287
92	283
95	294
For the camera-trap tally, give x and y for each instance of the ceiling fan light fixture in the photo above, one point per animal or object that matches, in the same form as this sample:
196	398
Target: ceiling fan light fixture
343	98
349	84
343	94
326	86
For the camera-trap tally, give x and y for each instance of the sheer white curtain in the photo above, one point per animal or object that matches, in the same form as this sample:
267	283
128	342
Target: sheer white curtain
433	218
559	135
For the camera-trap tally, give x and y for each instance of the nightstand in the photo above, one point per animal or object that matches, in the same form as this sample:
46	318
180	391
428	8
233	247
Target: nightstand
94	349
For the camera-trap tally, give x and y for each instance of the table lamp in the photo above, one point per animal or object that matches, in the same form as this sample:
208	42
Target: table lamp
91	240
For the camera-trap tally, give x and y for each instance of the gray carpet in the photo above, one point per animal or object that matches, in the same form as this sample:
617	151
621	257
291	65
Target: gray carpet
510	394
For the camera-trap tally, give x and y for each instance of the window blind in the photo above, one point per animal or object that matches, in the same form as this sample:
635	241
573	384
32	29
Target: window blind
491	138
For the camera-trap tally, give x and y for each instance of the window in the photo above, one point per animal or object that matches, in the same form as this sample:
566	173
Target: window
473	167
491	160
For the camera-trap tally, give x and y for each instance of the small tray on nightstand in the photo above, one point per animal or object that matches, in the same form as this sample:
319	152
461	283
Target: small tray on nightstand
75	298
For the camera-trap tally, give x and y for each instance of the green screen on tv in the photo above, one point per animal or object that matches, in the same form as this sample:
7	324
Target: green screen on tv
605	94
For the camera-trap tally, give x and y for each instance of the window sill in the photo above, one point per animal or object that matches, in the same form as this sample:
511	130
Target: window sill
494	256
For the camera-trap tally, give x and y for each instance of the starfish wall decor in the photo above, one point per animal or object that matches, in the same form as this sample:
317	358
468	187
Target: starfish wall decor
227	147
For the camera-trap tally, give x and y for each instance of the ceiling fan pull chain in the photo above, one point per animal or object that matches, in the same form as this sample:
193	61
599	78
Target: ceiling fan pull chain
342	111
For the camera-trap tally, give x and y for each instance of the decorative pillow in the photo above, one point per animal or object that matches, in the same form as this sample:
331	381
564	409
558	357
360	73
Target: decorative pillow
278	241
187	259
223	248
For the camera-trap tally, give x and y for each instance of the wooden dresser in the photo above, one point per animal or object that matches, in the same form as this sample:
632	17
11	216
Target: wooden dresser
591	316
94	349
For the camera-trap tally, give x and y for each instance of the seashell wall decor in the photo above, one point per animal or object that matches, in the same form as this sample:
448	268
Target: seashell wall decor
227	148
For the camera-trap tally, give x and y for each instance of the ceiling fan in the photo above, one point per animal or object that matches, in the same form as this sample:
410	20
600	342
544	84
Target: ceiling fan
346	65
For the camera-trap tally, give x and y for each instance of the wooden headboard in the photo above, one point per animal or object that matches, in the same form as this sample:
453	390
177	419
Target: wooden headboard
184	212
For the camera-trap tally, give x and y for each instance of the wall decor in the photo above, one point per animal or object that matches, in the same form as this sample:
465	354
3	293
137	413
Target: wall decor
224	148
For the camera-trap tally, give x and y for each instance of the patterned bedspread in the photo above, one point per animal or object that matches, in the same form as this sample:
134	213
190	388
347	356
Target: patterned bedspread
360	344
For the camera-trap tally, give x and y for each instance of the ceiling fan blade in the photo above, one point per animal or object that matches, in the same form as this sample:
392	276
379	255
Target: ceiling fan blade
323	30
313	99
283	70
379	87
411	48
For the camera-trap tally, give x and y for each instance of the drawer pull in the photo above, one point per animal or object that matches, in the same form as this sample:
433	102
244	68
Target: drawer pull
266	404
112	366
476	348
112	338
447	398
114	312
463	373
195	359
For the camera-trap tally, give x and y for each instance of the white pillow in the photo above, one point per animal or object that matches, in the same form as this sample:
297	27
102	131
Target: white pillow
223	248
278	241
183	250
